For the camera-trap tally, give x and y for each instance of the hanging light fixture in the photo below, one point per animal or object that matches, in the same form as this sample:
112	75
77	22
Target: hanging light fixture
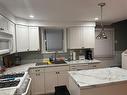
102	34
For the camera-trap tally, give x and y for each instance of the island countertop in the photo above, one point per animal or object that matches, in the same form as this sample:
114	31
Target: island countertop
99	77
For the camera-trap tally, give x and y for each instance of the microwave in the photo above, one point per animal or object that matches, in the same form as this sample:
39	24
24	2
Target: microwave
5	43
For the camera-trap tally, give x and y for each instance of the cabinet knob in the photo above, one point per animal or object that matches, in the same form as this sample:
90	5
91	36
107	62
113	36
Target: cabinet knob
1	28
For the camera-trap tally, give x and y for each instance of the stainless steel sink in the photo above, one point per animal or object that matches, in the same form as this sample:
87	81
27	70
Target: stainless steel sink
54	62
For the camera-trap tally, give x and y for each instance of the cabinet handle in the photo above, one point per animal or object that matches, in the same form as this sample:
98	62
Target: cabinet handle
94	66
1	28
37	74
58	72
37	70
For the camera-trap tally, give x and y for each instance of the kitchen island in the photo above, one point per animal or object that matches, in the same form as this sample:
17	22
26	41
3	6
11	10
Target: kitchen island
106	81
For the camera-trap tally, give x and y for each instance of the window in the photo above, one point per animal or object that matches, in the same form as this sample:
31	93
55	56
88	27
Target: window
53	39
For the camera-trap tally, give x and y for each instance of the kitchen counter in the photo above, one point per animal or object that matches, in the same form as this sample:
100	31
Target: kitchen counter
83	61
20	68
8	92
99	77
25	67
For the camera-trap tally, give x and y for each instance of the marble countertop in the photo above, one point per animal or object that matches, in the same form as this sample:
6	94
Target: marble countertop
99	77
20	68
83	61
8	92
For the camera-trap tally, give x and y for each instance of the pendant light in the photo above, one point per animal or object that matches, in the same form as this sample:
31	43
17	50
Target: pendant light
102	34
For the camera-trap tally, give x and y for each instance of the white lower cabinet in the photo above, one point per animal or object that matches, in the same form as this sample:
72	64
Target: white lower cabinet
55	76
37	84
50	81
62	78
45	79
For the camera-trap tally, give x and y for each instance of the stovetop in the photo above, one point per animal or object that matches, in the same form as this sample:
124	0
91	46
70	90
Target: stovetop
10	80
9	83
14	75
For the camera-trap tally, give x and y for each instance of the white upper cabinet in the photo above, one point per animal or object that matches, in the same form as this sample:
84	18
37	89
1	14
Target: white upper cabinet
22	38
11	30
3	24
27	38
34	39
74	37
88	37
81	37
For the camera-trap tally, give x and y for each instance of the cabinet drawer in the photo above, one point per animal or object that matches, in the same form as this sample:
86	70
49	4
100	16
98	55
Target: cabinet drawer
78	67
93	66
82	67
59	68
36	70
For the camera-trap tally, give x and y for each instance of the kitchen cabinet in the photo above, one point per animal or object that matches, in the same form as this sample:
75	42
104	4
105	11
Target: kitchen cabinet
11	30
94	66
76	67
3	24
34	39
37	84
22	38
27	38
55	76
81	37
74	38
50	81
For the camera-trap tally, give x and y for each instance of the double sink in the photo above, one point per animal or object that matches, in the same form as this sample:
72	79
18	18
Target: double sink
54	62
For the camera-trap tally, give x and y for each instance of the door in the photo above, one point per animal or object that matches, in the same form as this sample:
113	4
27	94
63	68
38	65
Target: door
22	38
37	85
63	78
74	38
34	39
50	82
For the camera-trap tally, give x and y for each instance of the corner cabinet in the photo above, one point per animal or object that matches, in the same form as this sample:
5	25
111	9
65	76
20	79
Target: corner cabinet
27	38
81	37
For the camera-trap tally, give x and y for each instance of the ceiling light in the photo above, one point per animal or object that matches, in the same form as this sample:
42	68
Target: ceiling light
102	34
31	16
96	19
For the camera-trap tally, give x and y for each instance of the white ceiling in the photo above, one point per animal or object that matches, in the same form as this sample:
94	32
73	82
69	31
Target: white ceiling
67	10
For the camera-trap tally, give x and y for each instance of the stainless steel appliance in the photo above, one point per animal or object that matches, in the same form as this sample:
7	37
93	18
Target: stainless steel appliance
88	54
19	81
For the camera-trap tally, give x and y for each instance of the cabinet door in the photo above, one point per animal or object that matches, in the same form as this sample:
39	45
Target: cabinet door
22	38
63	78
88	39
3	24
74	38
34	39
50	82
11	30
37	85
